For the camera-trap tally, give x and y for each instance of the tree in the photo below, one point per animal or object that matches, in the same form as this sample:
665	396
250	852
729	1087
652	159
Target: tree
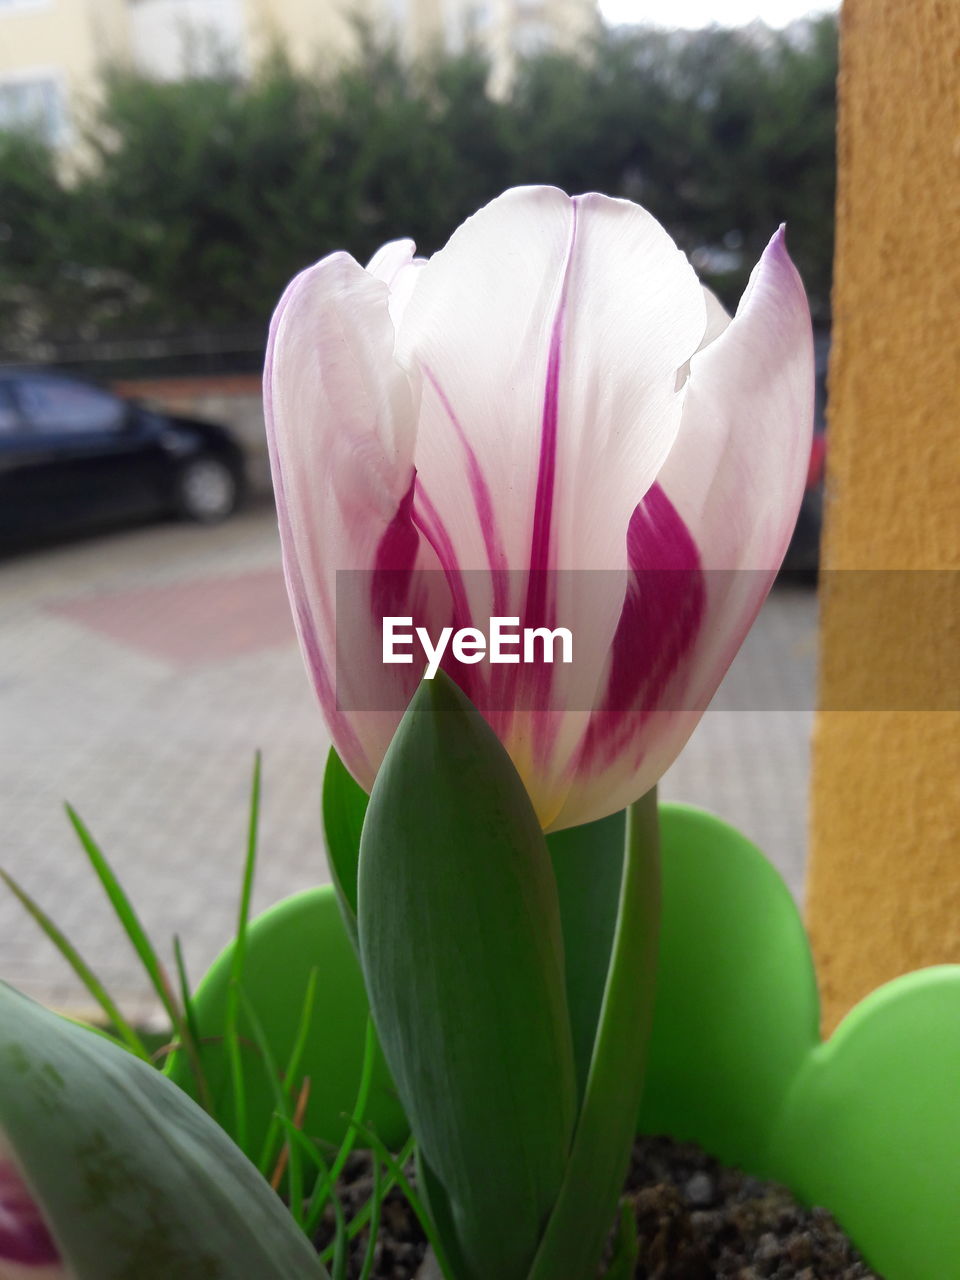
198	200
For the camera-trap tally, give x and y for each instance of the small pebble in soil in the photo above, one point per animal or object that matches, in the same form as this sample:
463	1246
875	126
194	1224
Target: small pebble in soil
696	1220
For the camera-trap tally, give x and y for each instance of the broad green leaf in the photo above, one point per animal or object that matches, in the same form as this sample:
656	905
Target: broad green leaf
344	806
588	864
462	951
135	1181
586	1205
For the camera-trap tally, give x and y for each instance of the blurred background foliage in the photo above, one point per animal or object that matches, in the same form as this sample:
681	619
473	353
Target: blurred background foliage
190	204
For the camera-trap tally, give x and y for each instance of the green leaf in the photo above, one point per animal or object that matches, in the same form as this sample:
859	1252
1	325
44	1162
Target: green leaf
462	951
135	1180
344	807
437	1207
588	865
586	1206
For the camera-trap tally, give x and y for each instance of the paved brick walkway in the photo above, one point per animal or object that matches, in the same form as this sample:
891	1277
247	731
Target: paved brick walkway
138	672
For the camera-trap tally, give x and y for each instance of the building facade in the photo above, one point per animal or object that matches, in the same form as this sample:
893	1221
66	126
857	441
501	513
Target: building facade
52	52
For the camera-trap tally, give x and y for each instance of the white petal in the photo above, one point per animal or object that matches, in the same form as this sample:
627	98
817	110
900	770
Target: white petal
718	318
736	472
395	265
390	259
606	279
548	334
341	421
735	476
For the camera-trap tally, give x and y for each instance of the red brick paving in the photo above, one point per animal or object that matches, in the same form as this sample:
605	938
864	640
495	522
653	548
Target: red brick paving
191	623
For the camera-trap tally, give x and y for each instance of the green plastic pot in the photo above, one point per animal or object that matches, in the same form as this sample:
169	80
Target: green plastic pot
866	1124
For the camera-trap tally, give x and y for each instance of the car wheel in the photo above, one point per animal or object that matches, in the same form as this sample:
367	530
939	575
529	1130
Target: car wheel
207	490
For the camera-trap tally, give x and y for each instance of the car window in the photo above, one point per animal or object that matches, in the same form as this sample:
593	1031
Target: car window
59	405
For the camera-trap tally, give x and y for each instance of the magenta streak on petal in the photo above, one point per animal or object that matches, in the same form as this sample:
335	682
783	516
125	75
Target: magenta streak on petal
397	588
660	621
431	525
482	499
395	559
540	605
535	612
24	1237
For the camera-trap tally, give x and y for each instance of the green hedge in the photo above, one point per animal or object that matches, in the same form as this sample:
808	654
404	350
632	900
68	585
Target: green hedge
197	200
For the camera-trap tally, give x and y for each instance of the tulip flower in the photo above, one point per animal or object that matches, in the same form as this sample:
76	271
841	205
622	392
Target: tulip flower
27	1250
549	419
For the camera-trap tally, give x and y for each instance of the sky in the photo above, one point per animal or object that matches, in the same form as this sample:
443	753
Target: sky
701	13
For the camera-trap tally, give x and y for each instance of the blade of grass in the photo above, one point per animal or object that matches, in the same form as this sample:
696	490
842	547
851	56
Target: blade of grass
318	1199
337	1250
307	1146
293	1063
282	1104
376	1200
364	1214
338	1270
277	1177
413	1199
125	914
189	1032
627	1246
144	948
125	1032
303	1029
232	1040
186	1000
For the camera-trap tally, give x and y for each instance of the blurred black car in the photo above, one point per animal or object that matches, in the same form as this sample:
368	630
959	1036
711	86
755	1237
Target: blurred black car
75	455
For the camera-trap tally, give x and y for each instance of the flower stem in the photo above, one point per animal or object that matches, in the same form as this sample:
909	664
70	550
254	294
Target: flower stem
586	1206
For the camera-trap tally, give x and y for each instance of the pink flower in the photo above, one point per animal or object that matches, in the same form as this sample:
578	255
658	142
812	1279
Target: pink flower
27	1250
549	419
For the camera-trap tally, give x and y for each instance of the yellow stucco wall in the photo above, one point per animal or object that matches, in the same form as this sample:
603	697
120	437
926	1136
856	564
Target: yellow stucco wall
884	879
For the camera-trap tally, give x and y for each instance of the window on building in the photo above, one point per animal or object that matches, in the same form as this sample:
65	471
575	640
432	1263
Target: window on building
33	103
